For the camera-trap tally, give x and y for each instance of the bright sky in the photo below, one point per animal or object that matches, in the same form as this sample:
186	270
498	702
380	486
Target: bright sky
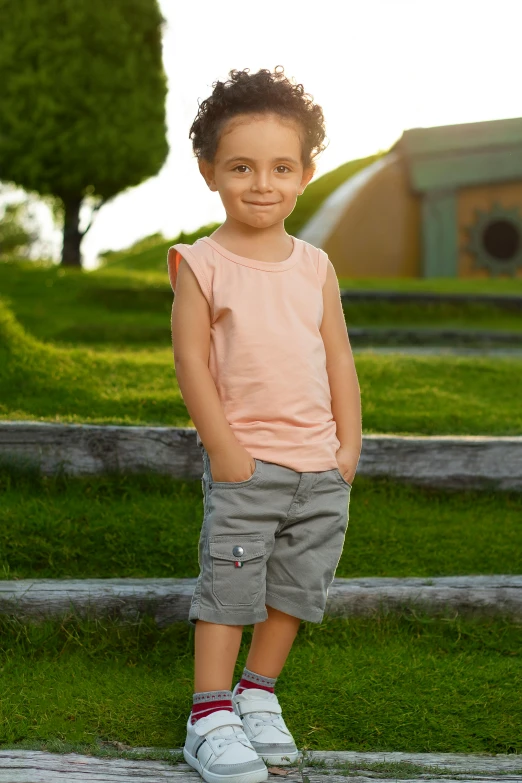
376	67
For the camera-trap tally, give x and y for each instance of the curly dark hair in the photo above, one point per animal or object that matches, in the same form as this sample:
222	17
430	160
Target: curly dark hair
257	93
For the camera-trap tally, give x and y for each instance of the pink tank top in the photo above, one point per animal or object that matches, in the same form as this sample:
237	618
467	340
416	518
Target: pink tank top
267	356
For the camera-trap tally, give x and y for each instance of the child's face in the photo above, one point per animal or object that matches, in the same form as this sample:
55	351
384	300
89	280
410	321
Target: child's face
257	169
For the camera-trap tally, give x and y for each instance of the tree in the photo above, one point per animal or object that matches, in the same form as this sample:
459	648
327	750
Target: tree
82	96
15	236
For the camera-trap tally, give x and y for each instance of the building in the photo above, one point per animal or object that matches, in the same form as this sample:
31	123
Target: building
443	202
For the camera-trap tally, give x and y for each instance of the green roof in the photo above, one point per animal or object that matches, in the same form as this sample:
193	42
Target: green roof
467	136
472	153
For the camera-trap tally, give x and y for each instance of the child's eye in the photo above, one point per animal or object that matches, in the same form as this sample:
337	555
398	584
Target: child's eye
241	166
283	167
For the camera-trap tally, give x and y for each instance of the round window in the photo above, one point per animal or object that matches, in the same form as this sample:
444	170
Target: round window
502	239
495	240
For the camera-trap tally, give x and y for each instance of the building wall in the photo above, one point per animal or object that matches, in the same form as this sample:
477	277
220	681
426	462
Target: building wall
378	235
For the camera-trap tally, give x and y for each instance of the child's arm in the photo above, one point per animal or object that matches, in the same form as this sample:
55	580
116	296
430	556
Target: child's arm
344	386
191	322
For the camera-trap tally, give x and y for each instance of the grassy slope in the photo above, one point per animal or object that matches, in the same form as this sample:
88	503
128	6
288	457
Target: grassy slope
73	307
41	381
150	254
126	309
149	526
408	684
403	394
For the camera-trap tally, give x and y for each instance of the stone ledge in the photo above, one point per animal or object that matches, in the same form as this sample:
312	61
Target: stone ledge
412	336
168	600
474	462
28	766
511	302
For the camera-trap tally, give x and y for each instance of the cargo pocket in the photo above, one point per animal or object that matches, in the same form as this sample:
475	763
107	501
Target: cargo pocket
238	568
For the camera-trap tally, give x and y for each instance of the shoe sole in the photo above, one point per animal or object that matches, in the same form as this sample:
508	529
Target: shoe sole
281	761
258	776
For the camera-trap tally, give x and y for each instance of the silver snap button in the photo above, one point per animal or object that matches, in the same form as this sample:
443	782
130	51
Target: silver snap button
238	551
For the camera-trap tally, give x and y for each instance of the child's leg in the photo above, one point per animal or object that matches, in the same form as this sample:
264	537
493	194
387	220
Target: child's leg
254	697
215	653
216	648
216	744
271	643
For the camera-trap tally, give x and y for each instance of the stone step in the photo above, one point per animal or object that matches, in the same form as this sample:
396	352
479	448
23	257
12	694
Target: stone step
512	302
168	600
30	766
479	462
419	335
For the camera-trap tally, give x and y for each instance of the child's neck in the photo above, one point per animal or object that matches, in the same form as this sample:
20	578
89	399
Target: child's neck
264	244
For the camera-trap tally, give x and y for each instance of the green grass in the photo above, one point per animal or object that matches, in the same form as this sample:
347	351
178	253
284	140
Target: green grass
150	254
444	315
409	683
116	308
148	526
127	304
40	381
401	394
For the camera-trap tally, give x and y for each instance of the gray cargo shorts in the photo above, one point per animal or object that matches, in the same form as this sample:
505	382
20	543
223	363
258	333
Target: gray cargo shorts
274	539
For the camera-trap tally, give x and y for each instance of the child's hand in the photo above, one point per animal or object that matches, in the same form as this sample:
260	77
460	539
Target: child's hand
232	464
347	462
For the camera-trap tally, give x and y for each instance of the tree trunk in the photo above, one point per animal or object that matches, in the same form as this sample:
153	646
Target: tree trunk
72	237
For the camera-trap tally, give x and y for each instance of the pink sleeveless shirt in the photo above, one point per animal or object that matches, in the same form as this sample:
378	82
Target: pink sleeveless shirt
267	356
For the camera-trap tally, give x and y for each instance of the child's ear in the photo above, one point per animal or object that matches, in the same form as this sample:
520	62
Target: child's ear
207	171
308	173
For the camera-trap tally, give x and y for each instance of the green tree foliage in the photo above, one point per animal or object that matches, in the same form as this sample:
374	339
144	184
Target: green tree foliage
15	236
82	91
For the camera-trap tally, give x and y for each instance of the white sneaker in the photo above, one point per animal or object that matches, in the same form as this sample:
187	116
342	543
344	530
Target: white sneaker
218	748
264	726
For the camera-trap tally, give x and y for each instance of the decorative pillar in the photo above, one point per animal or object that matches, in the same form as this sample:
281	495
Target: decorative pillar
439	233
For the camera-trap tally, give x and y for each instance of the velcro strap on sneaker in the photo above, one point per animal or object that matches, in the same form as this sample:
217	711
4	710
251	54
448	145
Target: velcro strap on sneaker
215	720
258	705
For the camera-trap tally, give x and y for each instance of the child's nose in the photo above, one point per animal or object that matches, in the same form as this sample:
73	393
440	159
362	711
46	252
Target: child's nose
262	182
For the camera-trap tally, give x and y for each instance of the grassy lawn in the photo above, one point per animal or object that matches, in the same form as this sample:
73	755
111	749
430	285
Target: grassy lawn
401	394
435	315
116	308
148	526
409	683
122	307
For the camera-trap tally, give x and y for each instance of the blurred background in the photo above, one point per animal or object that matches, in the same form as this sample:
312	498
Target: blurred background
377	69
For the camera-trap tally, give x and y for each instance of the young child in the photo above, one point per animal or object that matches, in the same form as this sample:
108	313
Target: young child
265	368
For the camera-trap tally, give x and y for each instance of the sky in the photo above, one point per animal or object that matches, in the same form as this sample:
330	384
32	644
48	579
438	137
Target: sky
377	67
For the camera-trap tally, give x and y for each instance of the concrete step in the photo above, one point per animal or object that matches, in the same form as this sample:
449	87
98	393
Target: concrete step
168	600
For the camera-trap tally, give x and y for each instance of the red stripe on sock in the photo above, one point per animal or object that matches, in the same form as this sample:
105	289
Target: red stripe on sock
204	708
244	683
